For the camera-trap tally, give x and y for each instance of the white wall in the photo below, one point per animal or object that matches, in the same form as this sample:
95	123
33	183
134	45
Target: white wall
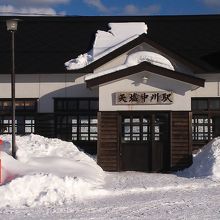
134	83
212	86
183	92
45	87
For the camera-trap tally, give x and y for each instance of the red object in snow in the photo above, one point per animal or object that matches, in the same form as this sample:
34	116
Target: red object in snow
0	171
1	142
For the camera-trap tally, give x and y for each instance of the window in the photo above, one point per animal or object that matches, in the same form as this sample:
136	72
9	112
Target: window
157	129
93	128
94	105
214	104
77	128
135	128
204	119
200	104
23	124
205	104
5	105
75	104
76	118
84	128
202	128
74	128
29	123
142	128
24	117
24	105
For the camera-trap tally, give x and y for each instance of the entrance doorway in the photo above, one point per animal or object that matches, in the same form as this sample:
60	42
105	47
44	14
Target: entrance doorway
145	141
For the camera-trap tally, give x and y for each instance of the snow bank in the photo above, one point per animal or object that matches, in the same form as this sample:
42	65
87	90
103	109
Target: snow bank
106	42
47	171
206	163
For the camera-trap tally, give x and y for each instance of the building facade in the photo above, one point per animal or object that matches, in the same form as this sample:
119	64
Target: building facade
144	103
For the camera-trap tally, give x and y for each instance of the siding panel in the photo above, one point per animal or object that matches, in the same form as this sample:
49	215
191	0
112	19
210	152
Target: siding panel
108	136
181	144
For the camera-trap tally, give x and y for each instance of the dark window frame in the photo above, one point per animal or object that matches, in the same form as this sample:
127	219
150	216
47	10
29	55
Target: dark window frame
21	120
208	100
18	100
141	136
22	116
75	130
208	113
154	132
65	102
202	127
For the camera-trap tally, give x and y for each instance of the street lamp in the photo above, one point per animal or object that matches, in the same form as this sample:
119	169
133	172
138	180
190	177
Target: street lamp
12	27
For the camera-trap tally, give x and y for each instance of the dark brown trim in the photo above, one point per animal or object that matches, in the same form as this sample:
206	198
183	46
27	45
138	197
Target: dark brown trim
119	153
99	117
145	66
171	139
141	39
181	149
108	138
190	132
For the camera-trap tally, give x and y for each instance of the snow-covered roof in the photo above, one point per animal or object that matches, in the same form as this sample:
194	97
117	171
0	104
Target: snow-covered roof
106	42
135	59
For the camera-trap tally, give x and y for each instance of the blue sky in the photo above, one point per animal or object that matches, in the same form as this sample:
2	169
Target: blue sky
110	7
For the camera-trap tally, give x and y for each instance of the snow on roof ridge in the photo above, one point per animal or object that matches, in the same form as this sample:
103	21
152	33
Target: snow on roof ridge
135	59
109	50
106	42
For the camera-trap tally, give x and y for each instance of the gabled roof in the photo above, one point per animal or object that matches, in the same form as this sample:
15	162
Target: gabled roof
145	66
44	44
143	38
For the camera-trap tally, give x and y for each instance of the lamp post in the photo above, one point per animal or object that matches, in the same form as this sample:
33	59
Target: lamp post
12	27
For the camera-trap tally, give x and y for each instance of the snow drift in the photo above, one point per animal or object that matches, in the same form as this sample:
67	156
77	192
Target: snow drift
47	171
51	171
206	163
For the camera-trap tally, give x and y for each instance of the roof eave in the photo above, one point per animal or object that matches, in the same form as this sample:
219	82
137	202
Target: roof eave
145	66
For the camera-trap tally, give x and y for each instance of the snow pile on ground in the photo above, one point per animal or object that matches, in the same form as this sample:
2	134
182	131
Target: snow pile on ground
206	163
127	195
53	172
47	171
106	42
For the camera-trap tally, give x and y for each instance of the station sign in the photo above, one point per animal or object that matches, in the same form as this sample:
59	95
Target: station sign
144	98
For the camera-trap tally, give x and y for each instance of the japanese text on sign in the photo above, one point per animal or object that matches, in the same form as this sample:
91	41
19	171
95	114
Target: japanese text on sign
144	98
